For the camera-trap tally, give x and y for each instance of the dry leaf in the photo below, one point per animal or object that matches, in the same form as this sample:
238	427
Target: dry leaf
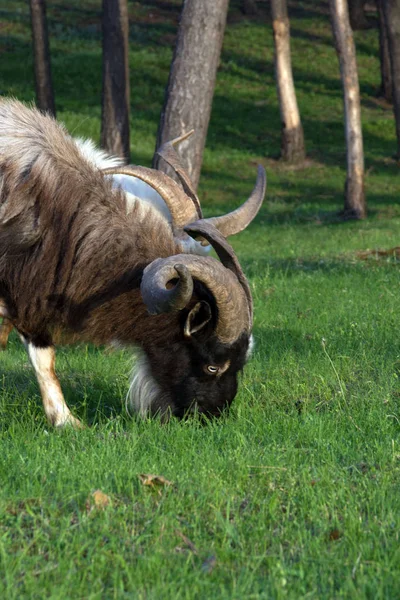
334	535
154	481
375	253
97	500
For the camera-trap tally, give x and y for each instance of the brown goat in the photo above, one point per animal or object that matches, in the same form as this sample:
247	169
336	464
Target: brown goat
79	262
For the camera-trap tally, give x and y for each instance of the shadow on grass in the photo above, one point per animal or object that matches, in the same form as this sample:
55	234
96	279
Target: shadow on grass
300	202
293	266
278	340
261	136
90	397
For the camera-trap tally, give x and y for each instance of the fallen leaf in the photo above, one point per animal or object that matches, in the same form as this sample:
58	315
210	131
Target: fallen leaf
334	535
97	500
154	481
375	253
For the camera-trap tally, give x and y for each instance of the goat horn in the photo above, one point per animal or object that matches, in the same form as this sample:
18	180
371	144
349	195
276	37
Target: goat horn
232	304
169	154
226	254
156	296
182	211
240	218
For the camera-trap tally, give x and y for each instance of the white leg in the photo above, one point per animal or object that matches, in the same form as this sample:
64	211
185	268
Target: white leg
5	329
43	361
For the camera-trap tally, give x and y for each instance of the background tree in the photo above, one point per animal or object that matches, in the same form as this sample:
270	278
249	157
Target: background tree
392	20
292	144
385	90
354	203
358	20
249	7
41	57
190	88
115	95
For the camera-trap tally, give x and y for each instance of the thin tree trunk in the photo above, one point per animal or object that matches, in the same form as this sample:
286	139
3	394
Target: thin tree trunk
249	7
386	89
41	53
190	89
292	141
358	20
115	96
392	19
354	203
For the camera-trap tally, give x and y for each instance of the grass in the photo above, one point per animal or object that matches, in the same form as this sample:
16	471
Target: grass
295	494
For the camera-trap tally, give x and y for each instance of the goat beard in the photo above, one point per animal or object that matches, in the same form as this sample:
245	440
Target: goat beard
145	396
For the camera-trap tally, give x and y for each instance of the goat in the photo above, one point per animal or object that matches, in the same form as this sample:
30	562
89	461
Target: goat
82	261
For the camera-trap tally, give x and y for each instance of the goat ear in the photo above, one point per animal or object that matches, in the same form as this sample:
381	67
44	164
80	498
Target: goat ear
198	317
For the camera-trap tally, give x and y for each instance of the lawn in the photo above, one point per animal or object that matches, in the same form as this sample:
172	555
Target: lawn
295	494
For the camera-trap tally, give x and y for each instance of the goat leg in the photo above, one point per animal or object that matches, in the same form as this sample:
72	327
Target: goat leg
43	361
5	329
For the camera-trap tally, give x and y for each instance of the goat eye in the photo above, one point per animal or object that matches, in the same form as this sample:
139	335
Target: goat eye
212	369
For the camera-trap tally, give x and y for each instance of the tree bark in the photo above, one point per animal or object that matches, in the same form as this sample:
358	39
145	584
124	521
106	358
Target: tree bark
249	7
392	20
354	203
41	54
386	89
190	89
115	95
358	20
292	140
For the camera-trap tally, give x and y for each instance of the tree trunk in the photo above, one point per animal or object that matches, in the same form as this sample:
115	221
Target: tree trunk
292	141
115	96
190	89
358	20
249	7
392	20
354	203
385	90
41	53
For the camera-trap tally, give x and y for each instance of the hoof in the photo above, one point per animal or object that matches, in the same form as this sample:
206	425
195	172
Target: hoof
69	421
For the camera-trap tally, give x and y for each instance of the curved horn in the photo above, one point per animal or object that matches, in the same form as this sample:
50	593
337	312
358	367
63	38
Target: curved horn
233	311
182	211
169	154
156	296
226	254
240	218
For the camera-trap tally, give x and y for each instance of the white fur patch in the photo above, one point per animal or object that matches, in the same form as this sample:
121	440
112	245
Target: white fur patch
97	157
250	348
137	190
3	309
190	246
143	389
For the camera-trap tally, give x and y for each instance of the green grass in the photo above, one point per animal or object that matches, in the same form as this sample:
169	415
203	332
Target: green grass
296	493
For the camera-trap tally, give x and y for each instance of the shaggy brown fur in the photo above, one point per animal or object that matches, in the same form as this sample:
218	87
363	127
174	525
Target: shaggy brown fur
71	256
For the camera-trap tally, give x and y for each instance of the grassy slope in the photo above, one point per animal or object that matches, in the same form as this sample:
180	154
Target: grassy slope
296	493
